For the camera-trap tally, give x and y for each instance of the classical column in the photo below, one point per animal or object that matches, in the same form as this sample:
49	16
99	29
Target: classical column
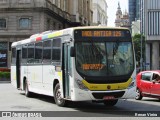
155	56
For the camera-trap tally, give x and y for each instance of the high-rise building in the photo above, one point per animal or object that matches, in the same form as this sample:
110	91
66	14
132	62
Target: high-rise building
134	10
137	9
150	17
19	19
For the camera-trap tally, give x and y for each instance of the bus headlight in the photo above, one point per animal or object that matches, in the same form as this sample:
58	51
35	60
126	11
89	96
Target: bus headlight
81	85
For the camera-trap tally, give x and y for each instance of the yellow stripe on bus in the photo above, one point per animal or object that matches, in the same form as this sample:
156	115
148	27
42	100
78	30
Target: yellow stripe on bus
60	75
55	34
104	87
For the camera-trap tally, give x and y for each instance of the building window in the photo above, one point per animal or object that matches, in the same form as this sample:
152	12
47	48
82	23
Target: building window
25	23
3	23
54	25
3	1
24	1
48	24
60	27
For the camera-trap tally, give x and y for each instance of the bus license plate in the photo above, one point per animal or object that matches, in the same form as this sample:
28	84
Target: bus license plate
108	97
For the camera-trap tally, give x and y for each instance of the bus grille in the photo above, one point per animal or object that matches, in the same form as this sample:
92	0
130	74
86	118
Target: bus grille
101	95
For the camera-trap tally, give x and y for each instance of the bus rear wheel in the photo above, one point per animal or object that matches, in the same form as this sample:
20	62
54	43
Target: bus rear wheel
27	92
57	96
110	102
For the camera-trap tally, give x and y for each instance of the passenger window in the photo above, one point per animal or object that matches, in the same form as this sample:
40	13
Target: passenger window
31	53
47	51
146	76
56	49
38	52
24	53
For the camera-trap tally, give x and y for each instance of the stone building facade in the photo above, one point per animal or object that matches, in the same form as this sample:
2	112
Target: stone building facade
20	19
100	12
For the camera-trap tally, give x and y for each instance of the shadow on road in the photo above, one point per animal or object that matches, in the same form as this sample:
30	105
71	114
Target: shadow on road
122	108
151	100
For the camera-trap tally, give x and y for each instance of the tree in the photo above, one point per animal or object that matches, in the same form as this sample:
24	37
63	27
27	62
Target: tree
137	47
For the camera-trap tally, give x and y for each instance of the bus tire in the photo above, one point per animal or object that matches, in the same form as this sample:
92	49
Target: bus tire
57	96
110	102
138	95
27	92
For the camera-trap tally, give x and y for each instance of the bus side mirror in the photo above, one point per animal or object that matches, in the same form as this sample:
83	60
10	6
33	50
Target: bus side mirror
72	52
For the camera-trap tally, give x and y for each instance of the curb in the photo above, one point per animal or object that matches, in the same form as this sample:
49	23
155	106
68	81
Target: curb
5	81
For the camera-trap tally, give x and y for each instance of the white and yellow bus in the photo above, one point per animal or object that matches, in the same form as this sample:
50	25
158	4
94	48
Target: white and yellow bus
76	64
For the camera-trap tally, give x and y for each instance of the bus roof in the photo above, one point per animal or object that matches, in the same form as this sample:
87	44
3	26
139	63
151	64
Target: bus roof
52	34
99	27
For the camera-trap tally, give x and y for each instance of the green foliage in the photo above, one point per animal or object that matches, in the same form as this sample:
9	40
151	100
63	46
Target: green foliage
4	74
137	46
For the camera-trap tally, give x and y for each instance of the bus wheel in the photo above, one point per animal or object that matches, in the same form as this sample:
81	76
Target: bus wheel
138	95
27	93
57	96
110	102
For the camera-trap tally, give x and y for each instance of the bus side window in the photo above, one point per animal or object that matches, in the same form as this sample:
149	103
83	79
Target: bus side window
24	54
38	52
31	53
13	56
56	50
47	51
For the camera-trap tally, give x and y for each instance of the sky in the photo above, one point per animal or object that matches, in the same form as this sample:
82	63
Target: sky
112	8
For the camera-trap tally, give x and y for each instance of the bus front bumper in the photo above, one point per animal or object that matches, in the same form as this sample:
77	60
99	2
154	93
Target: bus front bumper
83	95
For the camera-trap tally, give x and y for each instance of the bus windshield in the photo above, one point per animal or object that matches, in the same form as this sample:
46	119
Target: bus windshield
104	58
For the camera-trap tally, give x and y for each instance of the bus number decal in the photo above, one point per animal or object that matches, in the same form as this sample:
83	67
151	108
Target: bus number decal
102	34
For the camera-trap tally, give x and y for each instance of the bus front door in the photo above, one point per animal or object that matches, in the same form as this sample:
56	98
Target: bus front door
18	70
67	70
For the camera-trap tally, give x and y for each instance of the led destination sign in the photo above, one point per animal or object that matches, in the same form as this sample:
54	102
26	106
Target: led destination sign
96	33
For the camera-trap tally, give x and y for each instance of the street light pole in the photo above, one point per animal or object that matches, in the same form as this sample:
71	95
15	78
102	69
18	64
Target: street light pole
141	32
141	59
